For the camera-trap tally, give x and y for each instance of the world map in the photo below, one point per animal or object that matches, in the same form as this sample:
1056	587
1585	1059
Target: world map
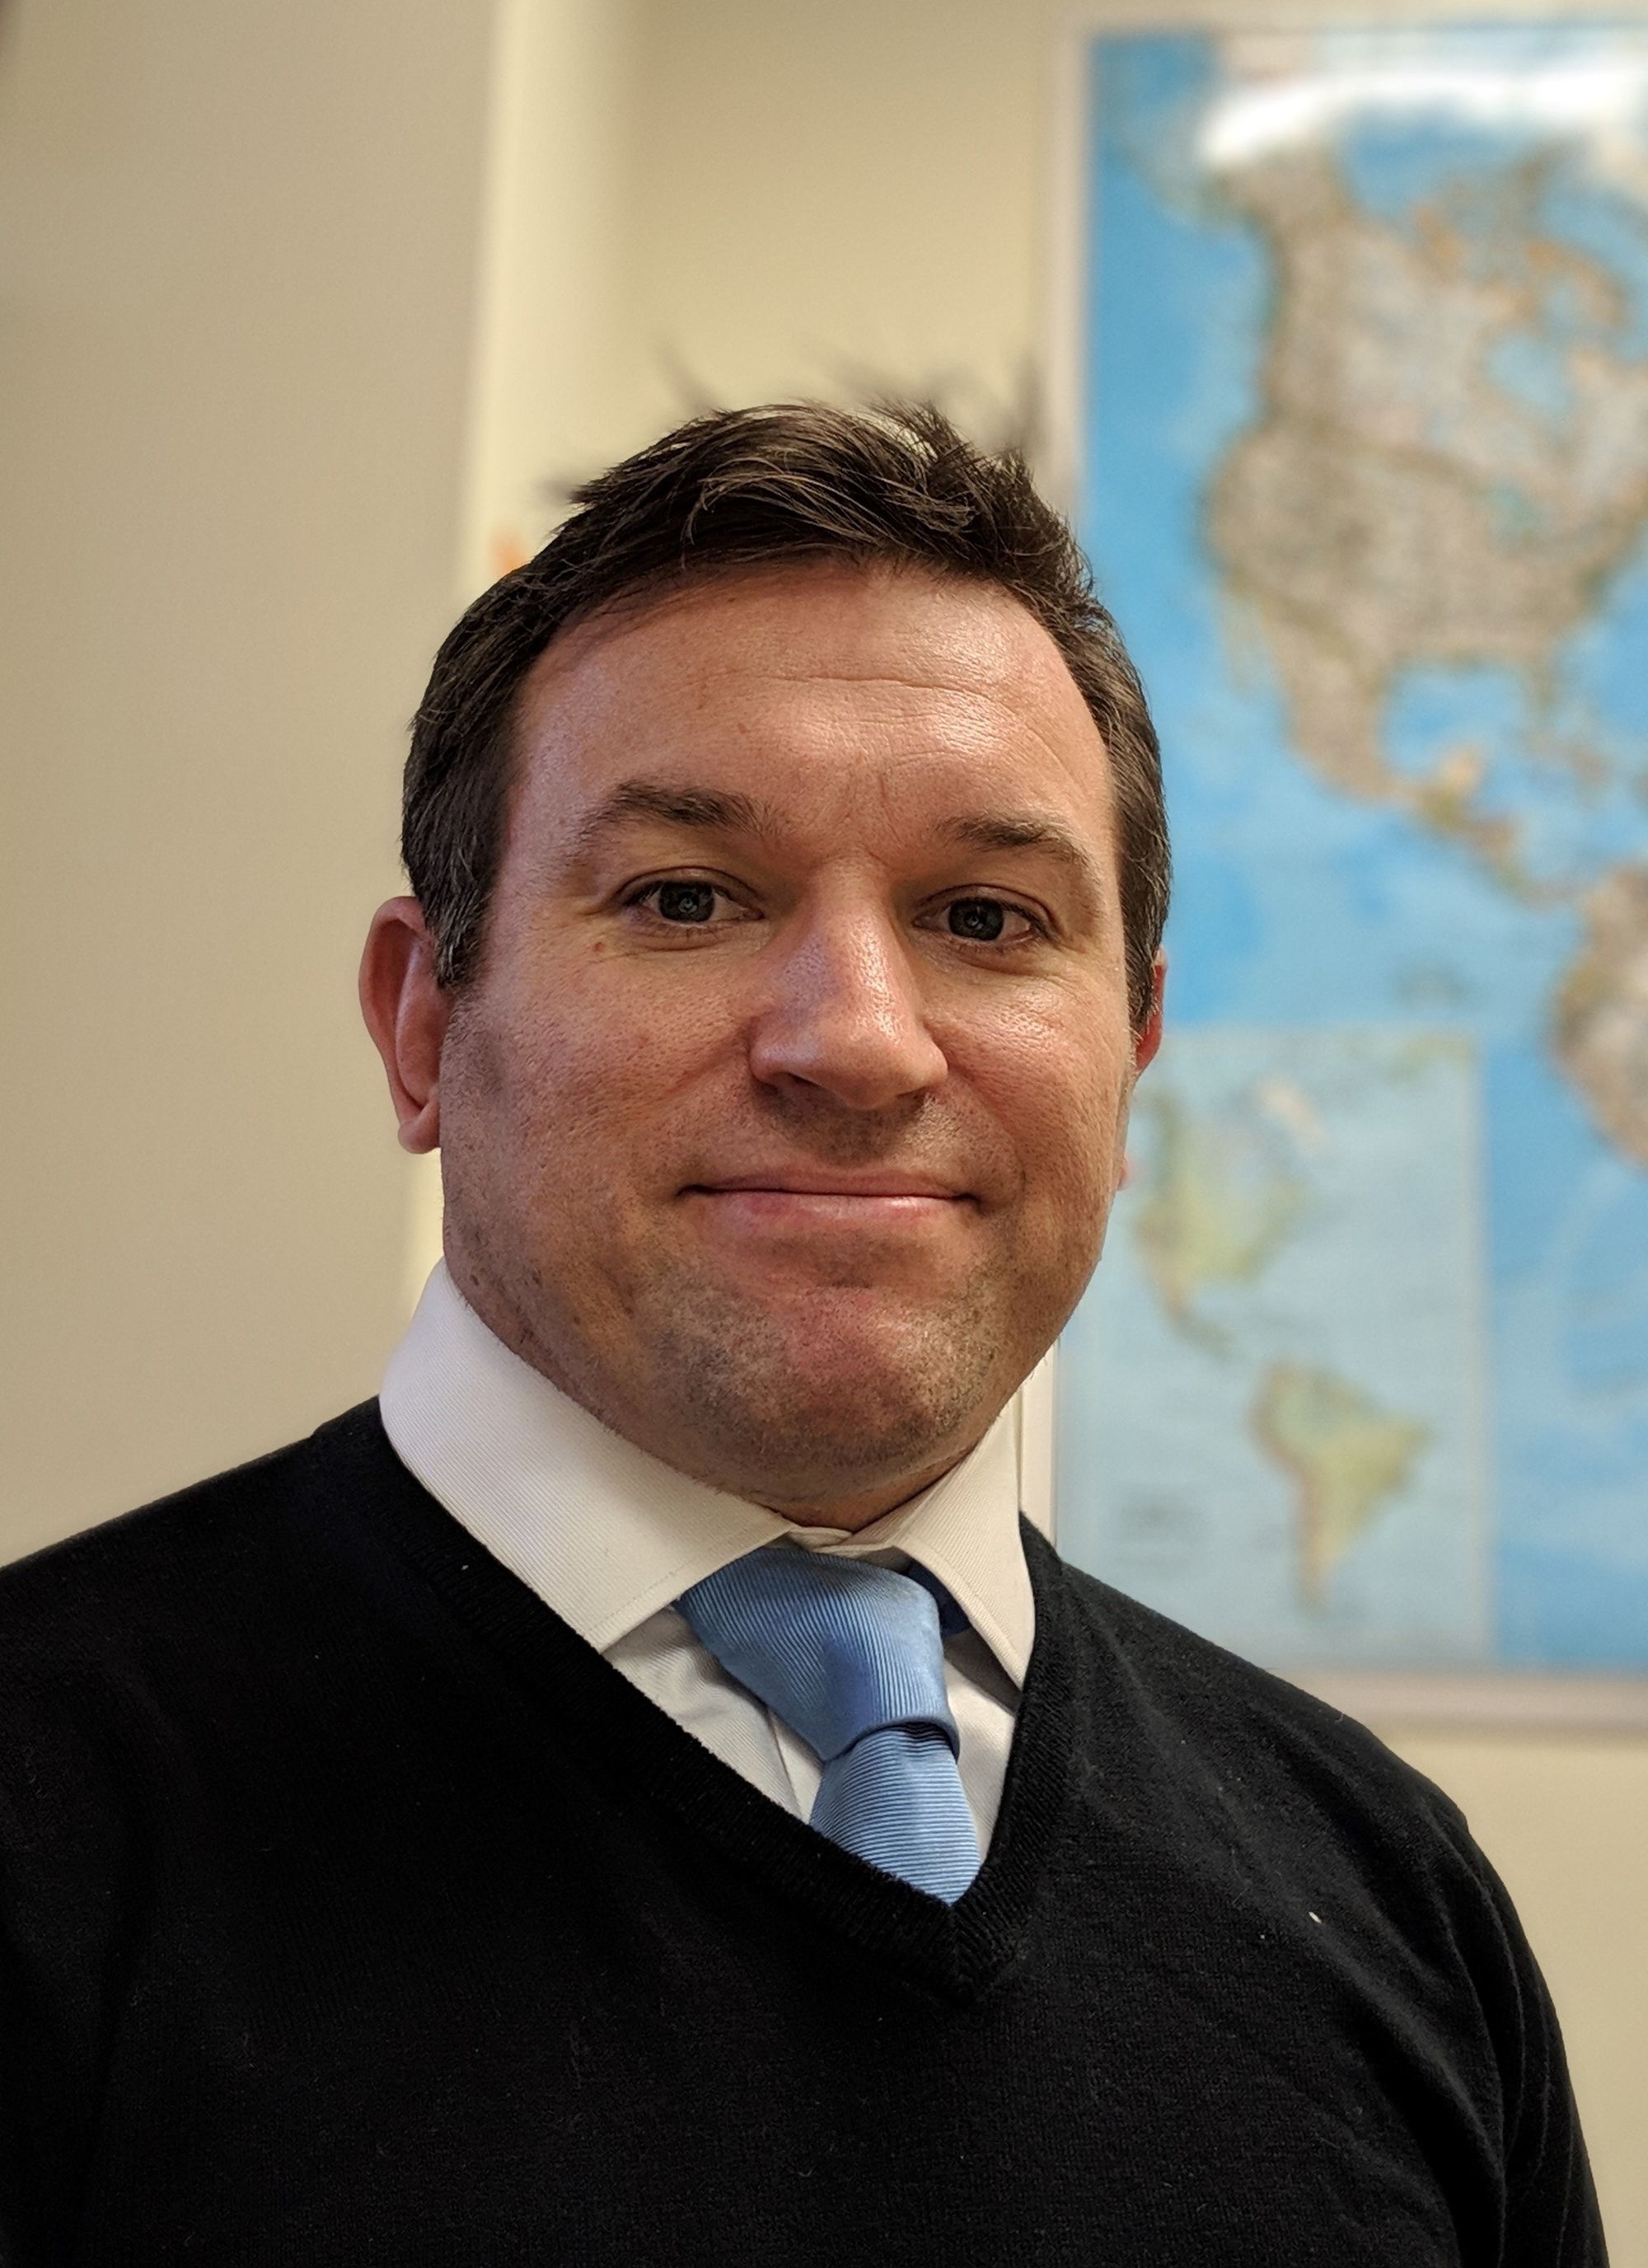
1363	1376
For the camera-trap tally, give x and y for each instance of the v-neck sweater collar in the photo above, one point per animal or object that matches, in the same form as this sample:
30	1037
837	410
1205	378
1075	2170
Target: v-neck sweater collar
957	1951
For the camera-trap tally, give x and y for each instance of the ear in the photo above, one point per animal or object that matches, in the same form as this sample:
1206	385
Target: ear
1148	1038
407	1013
1146	1041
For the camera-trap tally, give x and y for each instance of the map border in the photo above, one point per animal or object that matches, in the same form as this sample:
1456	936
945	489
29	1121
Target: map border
1497	1700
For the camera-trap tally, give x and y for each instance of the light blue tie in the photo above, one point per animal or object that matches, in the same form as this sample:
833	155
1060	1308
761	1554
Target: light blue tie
850	1656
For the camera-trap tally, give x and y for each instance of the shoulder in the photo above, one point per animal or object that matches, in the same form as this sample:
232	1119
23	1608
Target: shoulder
133	1653
140	1548
168	1576
205	1526
1292	1806
142	1665
1274	1760
1322	1855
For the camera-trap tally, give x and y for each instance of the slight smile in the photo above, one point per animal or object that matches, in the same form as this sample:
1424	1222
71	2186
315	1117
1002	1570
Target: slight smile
826	1200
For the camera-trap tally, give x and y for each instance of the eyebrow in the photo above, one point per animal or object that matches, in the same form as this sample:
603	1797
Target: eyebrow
1031	830
709	809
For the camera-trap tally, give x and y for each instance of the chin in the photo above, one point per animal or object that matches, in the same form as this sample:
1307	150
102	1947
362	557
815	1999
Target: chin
805	1413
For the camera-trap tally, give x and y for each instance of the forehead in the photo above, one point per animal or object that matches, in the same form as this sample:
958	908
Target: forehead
827	677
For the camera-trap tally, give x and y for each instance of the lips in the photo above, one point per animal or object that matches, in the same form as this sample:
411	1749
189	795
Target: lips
790	1203
790	1181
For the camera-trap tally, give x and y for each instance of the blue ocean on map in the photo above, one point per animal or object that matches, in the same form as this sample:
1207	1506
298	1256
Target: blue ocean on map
1363	1378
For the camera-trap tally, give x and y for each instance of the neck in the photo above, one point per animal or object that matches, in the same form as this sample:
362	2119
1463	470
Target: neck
856	1511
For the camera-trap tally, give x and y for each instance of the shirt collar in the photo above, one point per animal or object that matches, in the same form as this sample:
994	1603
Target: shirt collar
606	1534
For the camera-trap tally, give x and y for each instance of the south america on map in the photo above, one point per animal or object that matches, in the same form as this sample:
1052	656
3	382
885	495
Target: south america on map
1363	1378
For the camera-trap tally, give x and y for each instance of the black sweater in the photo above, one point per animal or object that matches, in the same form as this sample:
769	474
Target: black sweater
352	1909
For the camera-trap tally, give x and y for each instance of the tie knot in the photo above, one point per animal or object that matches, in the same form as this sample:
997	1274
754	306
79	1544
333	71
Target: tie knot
835	1647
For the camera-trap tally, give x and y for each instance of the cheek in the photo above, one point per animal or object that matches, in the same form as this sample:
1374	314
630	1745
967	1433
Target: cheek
581	1055
1057	1083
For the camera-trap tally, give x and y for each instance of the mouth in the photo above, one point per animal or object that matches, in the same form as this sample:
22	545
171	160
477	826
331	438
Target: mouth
790	1181
830	1202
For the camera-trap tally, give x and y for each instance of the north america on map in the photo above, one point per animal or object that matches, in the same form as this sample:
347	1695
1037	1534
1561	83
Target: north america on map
1452	459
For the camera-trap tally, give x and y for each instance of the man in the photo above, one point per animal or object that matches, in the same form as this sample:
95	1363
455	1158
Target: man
637	1792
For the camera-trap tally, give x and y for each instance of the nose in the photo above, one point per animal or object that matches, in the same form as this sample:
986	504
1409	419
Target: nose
845	1015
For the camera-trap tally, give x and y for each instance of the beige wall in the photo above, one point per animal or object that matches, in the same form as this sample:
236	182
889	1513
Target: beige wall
293	333
239	274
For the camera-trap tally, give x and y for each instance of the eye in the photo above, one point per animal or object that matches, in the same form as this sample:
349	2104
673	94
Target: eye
984	921
981	920
685	902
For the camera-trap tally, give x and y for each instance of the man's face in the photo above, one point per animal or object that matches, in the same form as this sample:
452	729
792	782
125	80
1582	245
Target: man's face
782	1121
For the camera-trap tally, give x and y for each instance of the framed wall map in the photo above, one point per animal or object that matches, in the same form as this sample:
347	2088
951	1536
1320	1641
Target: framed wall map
1361	1386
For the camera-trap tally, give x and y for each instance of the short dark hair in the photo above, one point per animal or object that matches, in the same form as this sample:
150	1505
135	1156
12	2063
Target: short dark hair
896	485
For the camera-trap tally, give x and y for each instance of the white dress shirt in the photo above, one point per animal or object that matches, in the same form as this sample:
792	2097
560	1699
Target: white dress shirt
608	1537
